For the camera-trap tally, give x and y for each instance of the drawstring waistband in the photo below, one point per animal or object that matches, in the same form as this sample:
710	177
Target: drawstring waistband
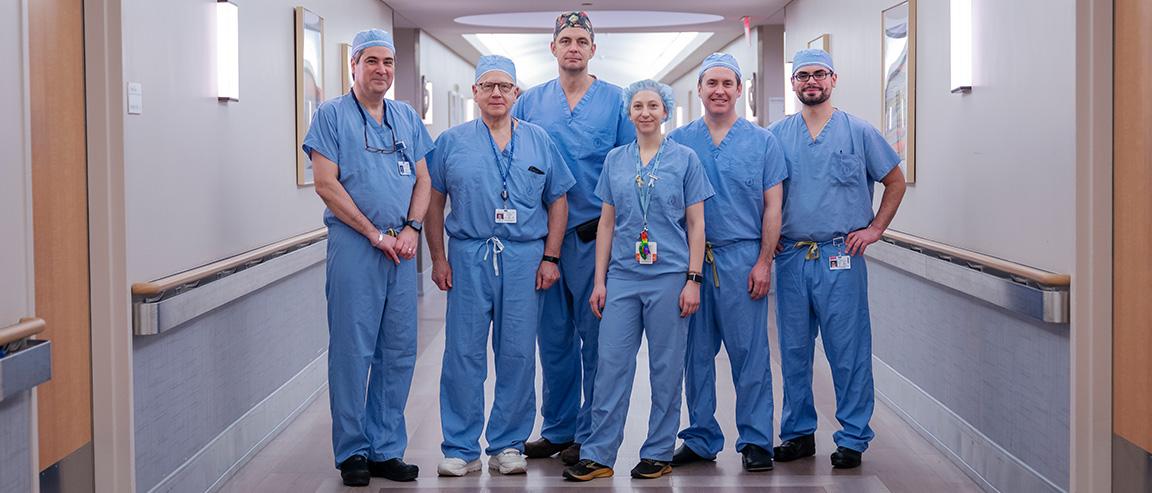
813	247
494	246
710	257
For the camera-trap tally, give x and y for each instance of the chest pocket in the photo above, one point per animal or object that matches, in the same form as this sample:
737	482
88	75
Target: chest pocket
847	169
526	187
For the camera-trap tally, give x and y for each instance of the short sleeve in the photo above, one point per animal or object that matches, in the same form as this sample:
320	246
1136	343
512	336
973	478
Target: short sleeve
421	140
604	184
879	156
560	178
697	188
437	163
775	166
322	136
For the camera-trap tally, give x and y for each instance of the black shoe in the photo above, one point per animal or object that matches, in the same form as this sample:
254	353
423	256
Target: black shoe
354	471
796	448
543	448
394	469
685	455
587	470
756	459
571	455
845	458
651	469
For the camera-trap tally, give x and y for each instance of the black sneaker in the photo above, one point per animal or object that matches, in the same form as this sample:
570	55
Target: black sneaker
354	471
544	448
756	459
651	469
587	470
796	448
571	455
685	455
394	470
846	458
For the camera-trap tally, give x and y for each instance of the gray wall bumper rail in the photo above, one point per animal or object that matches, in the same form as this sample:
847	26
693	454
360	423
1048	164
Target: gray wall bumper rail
26	368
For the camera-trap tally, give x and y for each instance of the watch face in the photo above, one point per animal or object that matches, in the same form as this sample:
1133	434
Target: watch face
417	225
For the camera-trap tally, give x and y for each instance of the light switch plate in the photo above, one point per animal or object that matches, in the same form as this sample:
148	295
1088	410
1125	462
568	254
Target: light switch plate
135	98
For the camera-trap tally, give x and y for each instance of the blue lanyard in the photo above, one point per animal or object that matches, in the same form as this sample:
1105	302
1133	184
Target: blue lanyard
503	159
644	190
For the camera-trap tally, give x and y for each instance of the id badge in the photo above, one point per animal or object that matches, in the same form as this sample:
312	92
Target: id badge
404	167
505	216
840	262
648	259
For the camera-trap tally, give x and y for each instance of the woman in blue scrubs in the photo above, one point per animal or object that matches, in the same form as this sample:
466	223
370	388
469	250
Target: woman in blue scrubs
649	251
507	182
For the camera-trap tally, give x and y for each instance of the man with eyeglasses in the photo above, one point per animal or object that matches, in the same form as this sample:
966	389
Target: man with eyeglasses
582	115
834	160
746	166
368	156
507	182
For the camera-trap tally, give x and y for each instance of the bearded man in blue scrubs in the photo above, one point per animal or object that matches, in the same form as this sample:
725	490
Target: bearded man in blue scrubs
582	115
746	166
507	182
834	160
368	156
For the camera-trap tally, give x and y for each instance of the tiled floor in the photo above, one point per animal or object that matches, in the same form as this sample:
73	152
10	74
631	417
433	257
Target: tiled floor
899	460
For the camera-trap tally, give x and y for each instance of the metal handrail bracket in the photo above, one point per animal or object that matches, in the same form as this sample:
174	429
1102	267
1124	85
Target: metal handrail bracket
151	318
1050	305
25	369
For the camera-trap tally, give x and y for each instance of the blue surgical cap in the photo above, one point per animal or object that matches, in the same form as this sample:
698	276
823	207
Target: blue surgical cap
806	58
720	60
497	63
372	37
663	90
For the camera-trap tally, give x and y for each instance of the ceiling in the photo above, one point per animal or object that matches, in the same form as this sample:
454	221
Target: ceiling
635	38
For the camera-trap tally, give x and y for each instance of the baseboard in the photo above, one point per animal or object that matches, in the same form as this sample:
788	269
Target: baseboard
988	464
218	461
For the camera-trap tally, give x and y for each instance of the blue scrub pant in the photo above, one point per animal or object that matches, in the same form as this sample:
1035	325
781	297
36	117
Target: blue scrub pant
633	308
371	346
812	299
510	304
567	339
728	314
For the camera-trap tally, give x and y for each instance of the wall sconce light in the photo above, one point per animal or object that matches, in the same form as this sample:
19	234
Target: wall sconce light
227	51
961	34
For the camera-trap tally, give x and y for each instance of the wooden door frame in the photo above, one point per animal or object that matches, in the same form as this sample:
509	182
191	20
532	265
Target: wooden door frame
1091	340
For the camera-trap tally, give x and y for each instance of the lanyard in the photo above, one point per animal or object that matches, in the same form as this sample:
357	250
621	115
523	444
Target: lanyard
504	159
397	146
644	191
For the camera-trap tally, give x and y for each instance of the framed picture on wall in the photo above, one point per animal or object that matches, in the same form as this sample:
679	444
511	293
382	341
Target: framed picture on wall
309	83
898	83
822	42
346	72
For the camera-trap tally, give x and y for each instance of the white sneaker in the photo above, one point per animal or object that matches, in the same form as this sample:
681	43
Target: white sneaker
509	461
457	467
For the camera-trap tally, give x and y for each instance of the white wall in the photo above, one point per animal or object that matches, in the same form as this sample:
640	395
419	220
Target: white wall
16	295
207	180
995	169
745	54
447	71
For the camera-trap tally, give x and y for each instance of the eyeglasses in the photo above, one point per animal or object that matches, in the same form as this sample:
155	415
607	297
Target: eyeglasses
487	87
397	145
804	76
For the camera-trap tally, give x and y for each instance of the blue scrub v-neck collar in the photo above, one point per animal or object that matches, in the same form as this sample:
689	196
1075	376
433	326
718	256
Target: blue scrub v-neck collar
583	99
727	137
823	132
383	123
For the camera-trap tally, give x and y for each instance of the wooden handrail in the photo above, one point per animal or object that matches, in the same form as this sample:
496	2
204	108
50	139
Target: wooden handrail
159	286
27	327
1041	277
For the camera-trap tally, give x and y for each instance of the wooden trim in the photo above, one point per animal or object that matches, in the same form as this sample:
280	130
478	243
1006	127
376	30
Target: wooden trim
159	286
1038	276
27	327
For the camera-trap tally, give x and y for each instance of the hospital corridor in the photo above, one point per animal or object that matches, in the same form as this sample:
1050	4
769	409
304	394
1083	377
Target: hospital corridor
791	246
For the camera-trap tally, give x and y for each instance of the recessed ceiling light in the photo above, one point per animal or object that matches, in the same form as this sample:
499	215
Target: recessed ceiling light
603	19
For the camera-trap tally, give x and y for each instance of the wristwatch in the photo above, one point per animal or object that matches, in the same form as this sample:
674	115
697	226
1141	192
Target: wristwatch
696	277
414	224
549	258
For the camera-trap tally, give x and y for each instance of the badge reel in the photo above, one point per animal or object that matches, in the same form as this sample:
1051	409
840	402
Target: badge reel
645	250
402	164
505	216
840	261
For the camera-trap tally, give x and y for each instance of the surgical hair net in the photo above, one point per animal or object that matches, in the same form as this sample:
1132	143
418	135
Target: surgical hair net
720	60
806	58
495	63
663	90
372	37
574	19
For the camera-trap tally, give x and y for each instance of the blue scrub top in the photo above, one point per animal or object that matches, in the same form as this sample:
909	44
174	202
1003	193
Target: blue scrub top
584	135
373	180
830	182
681	182
464	166
746	163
